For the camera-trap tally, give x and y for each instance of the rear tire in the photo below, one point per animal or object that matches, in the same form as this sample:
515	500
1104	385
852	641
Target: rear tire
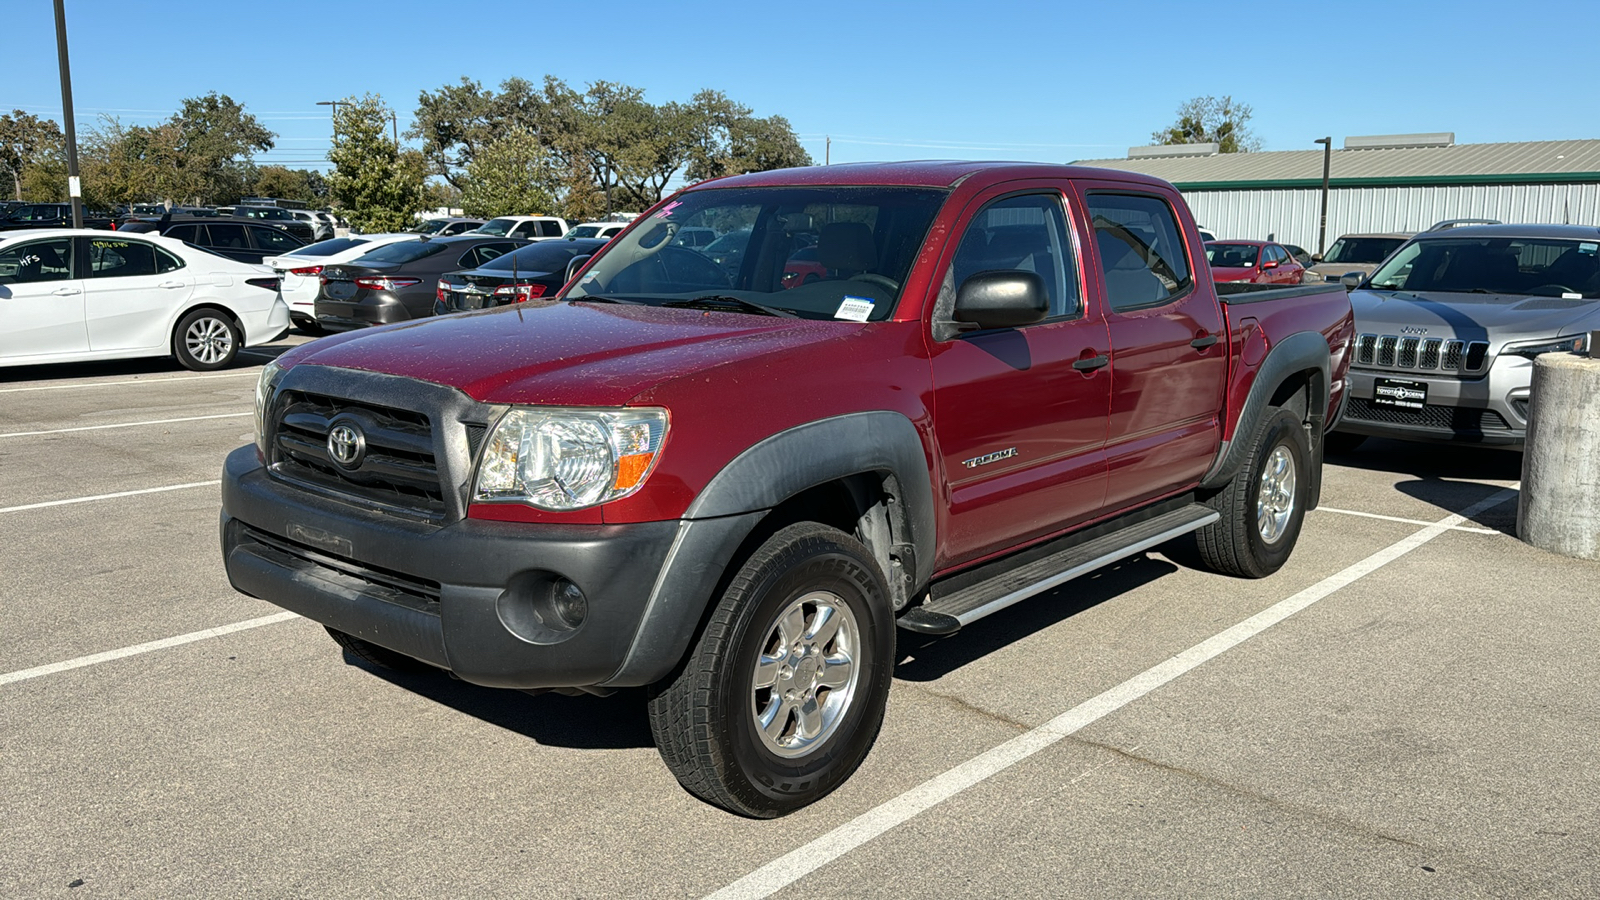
783	695
205	340
1262	508
382	657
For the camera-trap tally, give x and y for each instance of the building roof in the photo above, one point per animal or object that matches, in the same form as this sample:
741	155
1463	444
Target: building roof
1526	162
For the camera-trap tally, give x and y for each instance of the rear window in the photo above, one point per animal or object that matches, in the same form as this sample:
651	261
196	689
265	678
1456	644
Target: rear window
328	247
403	252
545	257
1232	256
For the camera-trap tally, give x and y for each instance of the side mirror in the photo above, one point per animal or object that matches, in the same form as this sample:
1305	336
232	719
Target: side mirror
1270	264
1316	257
1351	279
576	264
1002	299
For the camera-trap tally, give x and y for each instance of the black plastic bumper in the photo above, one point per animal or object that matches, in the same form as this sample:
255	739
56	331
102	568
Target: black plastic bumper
455	596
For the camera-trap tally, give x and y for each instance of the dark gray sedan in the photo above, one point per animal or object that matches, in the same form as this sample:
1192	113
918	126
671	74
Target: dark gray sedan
1447	329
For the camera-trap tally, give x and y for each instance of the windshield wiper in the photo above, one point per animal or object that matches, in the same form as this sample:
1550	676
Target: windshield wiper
596	298
722	301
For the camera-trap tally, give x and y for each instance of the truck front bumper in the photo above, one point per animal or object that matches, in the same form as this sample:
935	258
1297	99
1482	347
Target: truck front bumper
469	596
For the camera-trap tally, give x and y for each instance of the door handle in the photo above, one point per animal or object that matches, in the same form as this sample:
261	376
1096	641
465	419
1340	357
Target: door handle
1200	343
66	292
172	284
1092	363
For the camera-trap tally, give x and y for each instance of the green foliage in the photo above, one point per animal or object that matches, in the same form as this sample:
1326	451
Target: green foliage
202	154
724	139
377	186
510	176
28	144
1207	120
306	185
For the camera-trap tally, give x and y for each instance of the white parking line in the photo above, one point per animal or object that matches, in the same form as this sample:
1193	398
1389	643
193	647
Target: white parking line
1367	515
793	866
84	384
136	649
11	434
90	499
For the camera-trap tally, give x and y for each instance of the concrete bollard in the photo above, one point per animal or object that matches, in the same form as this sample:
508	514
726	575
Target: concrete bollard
1559	509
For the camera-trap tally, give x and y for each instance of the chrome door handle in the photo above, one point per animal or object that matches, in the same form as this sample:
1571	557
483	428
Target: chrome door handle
66	292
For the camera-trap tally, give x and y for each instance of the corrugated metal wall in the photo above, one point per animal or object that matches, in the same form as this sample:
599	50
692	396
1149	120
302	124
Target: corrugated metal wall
1291	215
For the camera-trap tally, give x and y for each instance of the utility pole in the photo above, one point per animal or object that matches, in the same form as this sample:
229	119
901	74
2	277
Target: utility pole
827	150
74	186
1327	160
394	121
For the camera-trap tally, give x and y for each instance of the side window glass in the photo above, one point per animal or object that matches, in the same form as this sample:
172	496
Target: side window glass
550	229
274	240
228	237
189	234
120	259
1141	250
166	262
36	261
1027	233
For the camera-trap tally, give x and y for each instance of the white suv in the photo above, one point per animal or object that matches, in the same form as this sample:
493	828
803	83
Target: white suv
532	228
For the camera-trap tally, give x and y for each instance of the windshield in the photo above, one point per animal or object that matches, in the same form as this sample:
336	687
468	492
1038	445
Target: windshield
496	227
866	240
402	252
1523	266
547	256
1362	250
1232	256
584	231
328	247
432	226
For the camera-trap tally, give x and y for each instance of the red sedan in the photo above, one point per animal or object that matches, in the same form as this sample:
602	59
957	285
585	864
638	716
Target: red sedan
1257	262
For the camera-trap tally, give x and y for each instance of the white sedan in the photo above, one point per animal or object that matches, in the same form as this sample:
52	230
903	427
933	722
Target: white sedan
79	294
301	270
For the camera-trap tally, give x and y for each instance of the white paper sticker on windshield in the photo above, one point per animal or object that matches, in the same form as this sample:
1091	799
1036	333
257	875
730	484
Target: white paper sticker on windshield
1568	295
1588	247
854	309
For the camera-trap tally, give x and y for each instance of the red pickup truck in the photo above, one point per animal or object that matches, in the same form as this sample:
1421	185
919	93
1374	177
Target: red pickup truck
683	473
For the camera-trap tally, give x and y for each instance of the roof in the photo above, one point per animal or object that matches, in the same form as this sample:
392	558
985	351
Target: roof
935	173
1558	232
1526	162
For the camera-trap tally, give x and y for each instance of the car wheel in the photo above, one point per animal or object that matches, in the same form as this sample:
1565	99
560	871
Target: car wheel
784	693
1263	506
382	657
205	339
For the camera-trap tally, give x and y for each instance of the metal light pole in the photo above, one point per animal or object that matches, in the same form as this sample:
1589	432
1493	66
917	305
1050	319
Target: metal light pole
394	121
1327	160
74	186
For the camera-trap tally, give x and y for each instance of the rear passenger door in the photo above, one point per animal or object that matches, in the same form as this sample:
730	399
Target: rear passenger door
1168	351
133	291
1021	428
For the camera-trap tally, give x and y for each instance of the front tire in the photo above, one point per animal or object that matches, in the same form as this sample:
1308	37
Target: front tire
205	340
783	695
1264	505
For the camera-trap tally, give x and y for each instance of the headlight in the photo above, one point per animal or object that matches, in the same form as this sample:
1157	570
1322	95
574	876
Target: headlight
560	459
1577	343
264	385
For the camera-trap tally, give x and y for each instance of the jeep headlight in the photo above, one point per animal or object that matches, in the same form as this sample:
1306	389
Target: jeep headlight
264	387
563	458
1575	343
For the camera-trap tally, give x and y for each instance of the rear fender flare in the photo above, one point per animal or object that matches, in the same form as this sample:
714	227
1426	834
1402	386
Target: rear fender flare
1299	352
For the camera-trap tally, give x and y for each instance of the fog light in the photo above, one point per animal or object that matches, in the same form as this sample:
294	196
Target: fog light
542	607
568	602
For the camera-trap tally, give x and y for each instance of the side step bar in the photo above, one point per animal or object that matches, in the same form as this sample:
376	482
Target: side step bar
945	615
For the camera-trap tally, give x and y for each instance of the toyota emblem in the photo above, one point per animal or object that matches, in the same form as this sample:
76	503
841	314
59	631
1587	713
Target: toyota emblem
346	445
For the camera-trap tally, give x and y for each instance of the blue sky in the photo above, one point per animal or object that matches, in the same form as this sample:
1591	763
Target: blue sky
982	80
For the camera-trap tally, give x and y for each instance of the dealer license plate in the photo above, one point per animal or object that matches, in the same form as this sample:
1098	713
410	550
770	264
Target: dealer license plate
1398	393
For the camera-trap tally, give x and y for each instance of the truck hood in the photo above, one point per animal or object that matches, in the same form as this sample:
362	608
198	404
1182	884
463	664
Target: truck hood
559	353
1469	317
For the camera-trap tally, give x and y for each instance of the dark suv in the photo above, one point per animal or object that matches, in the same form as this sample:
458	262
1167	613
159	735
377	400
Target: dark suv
249	242
50	215
398	282
277	216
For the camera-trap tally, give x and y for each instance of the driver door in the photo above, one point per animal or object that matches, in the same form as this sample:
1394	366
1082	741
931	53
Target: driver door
41	302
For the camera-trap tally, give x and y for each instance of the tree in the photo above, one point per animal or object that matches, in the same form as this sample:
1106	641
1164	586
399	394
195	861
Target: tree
305	185
1207	120
26	143
457	121
378	186
725	140
511	176
213	142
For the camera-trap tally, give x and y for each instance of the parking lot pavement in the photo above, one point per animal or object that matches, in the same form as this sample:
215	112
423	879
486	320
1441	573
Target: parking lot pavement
1423	726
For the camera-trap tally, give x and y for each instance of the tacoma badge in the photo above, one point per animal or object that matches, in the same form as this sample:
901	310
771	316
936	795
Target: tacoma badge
987	458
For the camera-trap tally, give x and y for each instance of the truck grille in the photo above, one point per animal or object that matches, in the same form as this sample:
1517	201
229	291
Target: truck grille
1469	419
1389	351
397	469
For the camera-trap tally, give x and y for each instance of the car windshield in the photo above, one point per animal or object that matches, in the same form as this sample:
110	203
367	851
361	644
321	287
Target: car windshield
866	238
584	231
432	226
1544	267
547	256
496	227
1362	250
1232	256
328	247
402	252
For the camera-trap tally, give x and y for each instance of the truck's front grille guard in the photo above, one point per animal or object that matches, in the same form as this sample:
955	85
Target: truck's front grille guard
1390	351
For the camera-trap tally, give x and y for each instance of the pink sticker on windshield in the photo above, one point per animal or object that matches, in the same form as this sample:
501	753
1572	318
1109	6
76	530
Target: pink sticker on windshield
666	211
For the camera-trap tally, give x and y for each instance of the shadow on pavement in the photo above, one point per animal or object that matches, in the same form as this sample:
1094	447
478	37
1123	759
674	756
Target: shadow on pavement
925	658
154	365
616	722
1442	461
